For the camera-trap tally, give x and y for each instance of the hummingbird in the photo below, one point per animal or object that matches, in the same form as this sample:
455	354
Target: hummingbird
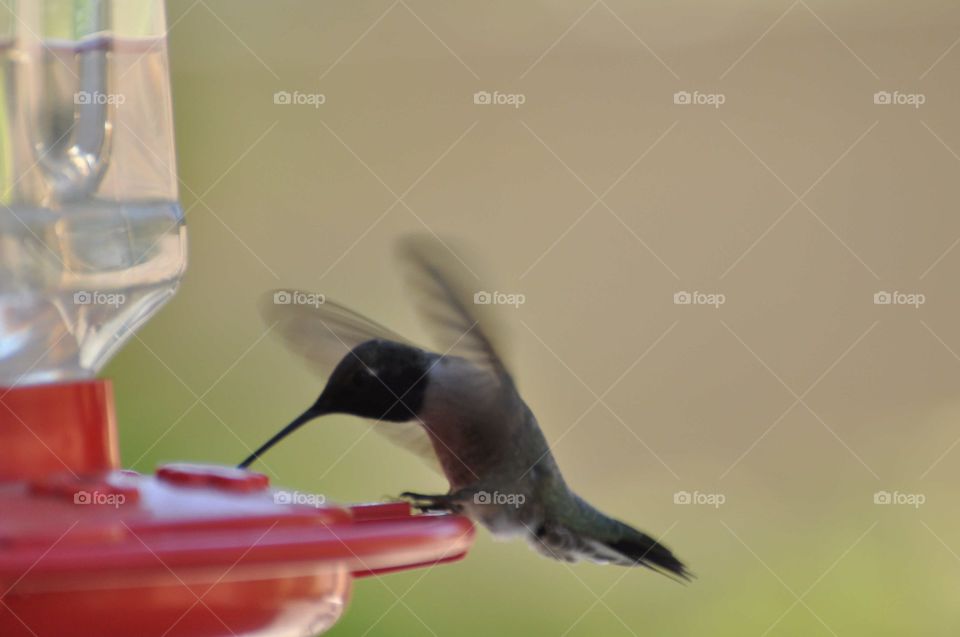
458	407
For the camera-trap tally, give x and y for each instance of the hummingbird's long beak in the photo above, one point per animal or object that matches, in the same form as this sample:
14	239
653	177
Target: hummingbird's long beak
315	411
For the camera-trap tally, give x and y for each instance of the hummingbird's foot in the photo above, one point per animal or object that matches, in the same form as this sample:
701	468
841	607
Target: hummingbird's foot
432	503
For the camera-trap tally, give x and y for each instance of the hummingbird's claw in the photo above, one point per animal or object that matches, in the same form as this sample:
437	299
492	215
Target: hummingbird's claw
431	503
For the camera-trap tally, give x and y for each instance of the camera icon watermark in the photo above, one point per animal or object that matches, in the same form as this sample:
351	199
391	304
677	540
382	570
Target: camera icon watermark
916	500
498	298
716	500
896	98
297	297
696	98
93	297
496	98
296	98
315	500
115	500
515	500
683	297
915	299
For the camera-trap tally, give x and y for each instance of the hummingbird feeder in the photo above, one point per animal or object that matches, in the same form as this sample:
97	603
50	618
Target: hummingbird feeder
93	243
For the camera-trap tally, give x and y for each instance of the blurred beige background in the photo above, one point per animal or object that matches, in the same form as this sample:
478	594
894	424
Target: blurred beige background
798	198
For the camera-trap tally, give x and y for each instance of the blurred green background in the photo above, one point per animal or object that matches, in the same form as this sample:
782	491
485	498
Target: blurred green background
598	198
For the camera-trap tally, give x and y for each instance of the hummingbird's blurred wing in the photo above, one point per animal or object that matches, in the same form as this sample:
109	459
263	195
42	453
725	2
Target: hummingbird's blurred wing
411	436
319	330
322	333
448	293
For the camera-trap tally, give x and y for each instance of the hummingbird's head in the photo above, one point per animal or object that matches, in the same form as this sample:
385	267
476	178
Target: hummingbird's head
378	379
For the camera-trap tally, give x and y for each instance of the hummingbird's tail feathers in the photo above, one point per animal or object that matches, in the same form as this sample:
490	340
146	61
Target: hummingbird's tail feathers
625	547
635	548
588	534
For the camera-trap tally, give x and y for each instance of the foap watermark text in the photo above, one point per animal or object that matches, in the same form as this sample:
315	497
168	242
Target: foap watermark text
96	97
696	98
296	297
98	498
683	297
896	98
496	98
297	98
498	298
896	497
93	297
298	497
505	499
896	297
715	500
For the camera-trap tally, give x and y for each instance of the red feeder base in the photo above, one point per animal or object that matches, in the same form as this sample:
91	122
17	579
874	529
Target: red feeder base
89	550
